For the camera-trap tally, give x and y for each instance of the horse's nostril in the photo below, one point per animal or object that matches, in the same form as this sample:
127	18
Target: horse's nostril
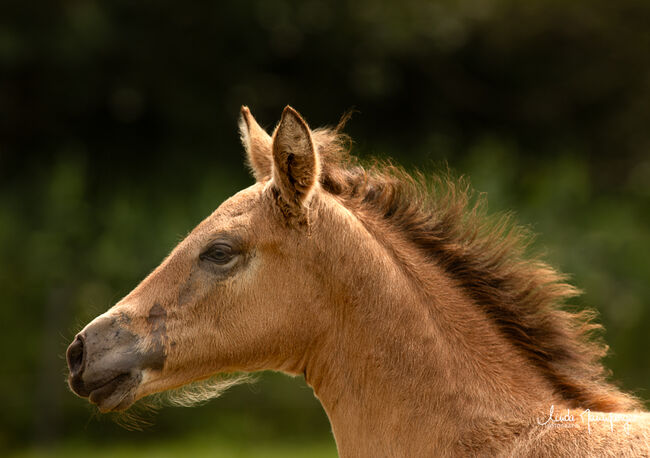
75	356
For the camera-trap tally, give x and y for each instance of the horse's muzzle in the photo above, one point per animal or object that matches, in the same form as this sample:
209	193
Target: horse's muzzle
106	364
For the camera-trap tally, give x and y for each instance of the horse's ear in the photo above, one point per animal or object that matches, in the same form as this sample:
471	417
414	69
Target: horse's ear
257	144
295	161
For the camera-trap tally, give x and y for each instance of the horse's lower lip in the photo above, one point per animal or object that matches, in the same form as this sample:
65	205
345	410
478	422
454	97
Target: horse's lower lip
114	394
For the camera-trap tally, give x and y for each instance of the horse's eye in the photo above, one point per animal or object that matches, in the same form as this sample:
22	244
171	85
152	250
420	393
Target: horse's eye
220	254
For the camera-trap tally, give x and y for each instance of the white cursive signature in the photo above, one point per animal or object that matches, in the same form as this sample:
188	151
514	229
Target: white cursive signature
608	417
569	420
557	418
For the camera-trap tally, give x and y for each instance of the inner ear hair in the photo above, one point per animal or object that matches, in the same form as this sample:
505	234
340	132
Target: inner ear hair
295	162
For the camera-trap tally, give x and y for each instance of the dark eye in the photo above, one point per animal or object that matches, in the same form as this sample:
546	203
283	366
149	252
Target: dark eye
219	253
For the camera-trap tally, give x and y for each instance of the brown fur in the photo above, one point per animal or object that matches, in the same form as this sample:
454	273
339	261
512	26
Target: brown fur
420	323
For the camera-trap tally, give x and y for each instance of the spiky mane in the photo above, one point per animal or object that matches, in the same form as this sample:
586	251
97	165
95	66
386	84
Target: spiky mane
487	258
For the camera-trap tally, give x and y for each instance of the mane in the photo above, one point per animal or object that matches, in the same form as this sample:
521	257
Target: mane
487	257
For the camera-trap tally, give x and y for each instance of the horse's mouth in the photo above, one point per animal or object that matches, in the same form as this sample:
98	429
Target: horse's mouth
114	395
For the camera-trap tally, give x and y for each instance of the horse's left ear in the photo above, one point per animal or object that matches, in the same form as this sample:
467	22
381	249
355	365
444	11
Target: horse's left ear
257	144
295	161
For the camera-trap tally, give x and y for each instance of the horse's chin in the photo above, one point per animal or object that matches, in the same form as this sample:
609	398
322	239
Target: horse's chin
117	395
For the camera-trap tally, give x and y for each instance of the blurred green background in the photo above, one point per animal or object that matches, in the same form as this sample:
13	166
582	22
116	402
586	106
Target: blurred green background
118	134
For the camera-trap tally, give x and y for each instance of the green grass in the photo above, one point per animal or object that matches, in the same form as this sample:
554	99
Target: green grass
195	448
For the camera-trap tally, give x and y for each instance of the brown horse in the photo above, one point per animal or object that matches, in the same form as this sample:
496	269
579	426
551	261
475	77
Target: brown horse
418	321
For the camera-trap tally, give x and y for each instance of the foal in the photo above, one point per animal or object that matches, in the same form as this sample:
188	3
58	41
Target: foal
420	325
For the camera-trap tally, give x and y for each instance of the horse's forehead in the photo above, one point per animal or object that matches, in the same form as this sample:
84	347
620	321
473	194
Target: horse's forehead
235	210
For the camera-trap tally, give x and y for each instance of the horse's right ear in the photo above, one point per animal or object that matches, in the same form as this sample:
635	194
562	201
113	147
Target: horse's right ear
257	144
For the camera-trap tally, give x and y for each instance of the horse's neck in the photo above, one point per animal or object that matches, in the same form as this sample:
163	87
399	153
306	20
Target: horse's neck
405	374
